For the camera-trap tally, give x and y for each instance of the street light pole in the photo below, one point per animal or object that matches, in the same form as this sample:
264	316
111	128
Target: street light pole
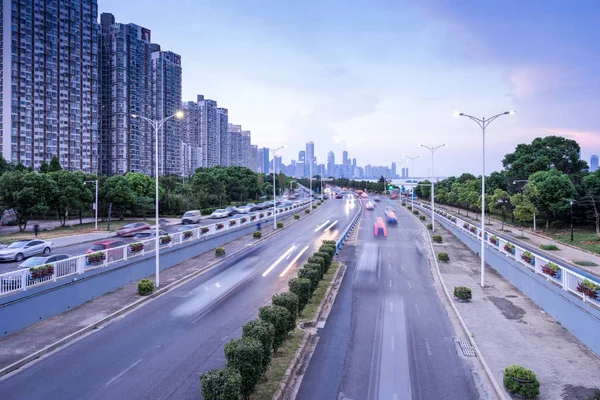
96	203
483	123
432	149
274	151
157	124
412	170
310	182
571	205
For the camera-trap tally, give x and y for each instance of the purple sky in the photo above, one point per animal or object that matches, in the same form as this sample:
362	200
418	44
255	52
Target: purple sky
378	78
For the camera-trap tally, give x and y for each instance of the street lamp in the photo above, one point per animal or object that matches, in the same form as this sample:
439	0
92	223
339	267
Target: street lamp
274	151
432	149
157	124
96	203
521	190
571	202
412	170
483	123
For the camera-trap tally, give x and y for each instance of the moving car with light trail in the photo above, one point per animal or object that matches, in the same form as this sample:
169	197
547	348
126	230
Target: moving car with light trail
132	229
380	229
369	206
391	216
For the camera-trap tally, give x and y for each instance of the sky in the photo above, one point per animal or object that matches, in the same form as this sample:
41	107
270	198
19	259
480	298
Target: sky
378	78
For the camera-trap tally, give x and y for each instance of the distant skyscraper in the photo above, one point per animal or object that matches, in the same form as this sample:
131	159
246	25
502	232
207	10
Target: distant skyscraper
265	161
260	157
302	156
49	85
252	163
330	164
277	164
310	158
223	137
299	169
393	171
233	153
593	163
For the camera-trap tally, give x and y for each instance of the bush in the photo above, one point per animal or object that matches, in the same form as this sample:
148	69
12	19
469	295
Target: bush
221	384
289	301
443	256
257	234
279	225
307	211
219	251
279	317
462	292
301	288
557	224
314	206
325	256
329	242
296	216
317	267
315	259
311	274
416	212
404	203
329	249
521	381
549	247
437	238
409	207
145	287
246	356
264	332
430	227
422	217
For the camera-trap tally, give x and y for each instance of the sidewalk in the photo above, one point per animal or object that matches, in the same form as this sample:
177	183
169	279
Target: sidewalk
567	254
511	329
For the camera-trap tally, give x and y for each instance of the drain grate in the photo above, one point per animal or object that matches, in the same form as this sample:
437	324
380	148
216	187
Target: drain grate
467	349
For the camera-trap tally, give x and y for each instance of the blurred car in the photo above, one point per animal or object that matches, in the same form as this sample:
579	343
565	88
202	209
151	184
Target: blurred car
221	213
37	261
376	198
253	207
17	251
131	229
149	234
191	217
369	206
380	229
163	222
243	209
339	196
231	210
184	228
391	216
105	245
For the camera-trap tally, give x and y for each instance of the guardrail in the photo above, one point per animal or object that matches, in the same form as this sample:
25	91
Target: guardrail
570	281
346	232
21	279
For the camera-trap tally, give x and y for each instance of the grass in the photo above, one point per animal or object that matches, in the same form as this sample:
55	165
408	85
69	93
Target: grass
587	240
586	263
269	383
66	231
310	311
549	247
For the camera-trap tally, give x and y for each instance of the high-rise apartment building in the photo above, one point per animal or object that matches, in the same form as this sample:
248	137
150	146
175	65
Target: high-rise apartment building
201	132
252	163
224	157
245	145
265	160
593	163
126	90
331	164
49	82
309	164
166	101
277	164
190	135
393	172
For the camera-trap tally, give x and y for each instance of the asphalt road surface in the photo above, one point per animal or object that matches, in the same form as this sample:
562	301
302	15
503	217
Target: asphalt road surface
160	350
388	335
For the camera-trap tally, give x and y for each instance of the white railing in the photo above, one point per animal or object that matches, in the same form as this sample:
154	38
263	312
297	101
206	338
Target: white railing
560	275
22	279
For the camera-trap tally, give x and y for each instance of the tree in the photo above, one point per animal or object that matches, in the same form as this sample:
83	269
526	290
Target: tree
381	184
44	167
71	195
300	287
142	185
550	191
221	384
264	332
5	166
54	165
423	189
591	185
464	178
246	356
289	301
524	209
279	317
501	201
118	191
496	180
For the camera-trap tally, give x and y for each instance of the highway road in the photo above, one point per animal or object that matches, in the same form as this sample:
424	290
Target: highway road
388	335
160	350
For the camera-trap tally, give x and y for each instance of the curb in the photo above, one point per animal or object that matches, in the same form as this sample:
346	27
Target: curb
286	381
501	394
65	340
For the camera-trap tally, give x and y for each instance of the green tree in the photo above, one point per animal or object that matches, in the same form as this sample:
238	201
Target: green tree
246	356
5	166
279	317
290	302
591	185
142	185
71	196
54	165
524	209
118	191
264	332
44	167
301	287
221	384
550	191
496	180
501	201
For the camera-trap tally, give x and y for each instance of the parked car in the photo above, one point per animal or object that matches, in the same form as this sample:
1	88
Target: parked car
242	209
191	217
131	229
37	261
21	249
253	207
369	206
231	210
149	234
105	245
221	213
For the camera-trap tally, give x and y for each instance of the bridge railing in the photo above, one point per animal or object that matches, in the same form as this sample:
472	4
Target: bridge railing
24	278
346	232
586	288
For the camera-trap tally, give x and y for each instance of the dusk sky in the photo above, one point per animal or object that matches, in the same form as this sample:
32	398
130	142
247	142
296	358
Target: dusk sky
378	78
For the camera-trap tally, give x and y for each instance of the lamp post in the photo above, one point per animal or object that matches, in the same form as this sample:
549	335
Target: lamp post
571	202
96	203
412	170
274	151
310	182
157	124
432	149
521	190
483	123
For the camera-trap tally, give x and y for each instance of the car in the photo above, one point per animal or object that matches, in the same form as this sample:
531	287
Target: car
191	217
105	245
132	229
17	251
163	222
42	260
231	210
391	216
339	196
149	234
369	206
380	229
220	213
267	204
184	228
243	209
253	207
376	199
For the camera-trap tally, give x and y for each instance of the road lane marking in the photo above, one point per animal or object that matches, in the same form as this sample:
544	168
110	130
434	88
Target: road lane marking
293	261
284	255
321	226
331	226
394	396
428	348
289	255
391	307
417	307
393	343
390	283
409	285
124	372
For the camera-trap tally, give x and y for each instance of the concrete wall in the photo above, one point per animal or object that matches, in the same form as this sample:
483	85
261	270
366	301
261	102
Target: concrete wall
579	318
23	309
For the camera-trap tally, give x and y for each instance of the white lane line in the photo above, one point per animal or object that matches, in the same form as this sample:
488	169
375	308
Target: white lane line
289	255
124	372
330	226
284	255
428	348
409	285
390	266
391	307
321	226
293	261
417	307
390	283
402	267
393	343
394	396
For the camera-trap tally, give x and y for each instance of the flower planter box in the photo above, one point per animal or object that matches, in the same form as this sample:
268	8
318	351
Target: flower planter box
220	226
494	240
473	229
135	248
95	258
243	220
41	272
466	226
589	288
204	230
187	234
528	258
261	215
552	270
166	239
269	213
252	218
510	248
232	223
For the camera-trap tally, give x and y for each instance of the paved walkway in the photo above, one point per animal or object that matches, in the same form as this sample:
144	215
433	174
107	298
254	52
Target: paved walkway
509	328
566	253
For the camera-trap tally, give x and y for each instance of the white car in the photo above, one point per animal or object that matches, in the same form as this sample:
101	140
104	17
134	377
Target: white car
243	209
149	234
221	213
369	206
17	251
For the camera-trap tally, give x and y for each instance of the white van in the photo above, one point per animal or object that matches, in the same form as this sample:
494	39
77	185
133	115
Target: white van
191	217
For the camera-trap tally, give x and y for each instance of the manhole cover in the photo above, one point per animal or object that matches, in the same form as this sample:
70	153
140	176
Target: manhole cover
467	349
